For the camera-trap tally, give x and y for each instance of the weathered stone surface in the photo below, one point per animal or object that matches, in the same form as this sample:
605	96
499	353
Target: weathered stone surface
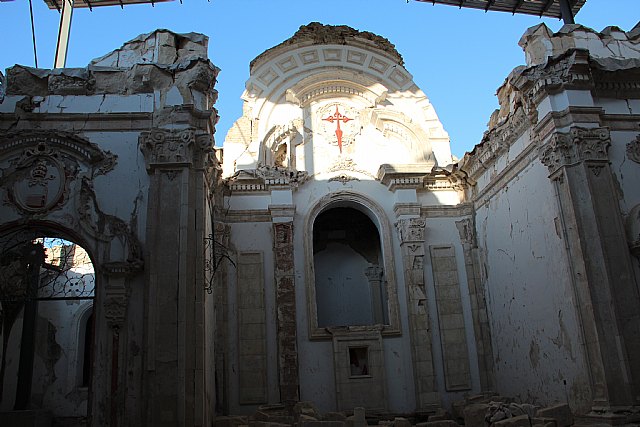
560	412
358	418
307	409
334	416
255	423
474	415
519	421
401	422
438	423
231	421
544	422
439	415
316	423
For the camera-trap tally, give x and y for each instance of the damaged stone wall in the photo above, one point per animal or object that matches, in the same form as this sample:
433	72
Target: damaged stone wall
554	185
128	130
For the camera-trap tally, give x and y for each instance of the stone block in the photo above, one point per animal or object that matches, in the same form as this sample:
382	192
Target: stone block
306	409
358	418
27	418
560	412
401	422
254	423
334	416
439	423
543	422
316	423
474	415
519	421
231	421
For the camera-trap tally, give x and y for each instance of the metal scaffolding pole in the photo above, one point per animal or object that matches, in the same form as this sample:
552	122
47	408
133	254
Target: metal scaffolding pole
63	34
565	10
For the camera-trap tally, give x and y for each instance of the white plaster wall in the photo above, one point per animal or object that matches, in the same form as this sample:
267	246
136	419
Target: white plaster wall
443	231
537	343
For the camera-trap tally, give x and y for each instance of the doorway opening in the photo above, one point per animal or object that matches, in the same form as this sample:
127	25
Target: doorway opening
349	278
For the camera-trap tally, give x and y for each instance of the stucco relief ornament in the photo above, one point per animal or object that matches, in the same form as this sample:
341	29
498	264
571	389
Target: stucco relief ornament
39	180
339	125
411	230
633	150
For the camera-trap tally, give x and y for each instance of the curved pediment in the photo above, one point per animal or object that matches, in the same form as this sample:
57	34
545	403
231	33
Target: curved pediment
350	98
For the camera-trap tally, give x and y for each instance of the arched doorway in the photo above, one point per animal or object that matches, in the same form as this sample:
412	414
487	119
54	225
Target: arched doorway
47	289
349	278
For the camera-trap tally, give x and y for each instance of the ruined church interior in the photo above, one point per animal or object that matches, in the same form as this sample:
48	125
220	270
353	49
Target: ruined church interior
331	264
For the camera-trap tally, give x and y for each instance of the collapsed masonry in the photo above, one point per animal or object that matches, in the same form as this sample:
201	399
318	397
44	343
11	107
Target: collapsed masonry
337	254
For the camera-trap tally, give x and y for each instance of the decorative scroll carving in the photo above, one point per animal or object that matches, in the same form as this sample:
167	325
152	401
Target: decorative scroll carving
115	306
580	144
42	166
175	147
262	177
111	229
633	150
411	230
466	230
343	178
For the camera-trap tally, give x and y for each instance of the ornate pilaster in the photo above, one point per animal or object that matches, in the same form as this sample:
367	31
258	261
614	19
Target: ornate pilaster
484	351
411	234
179	163
114	308
598	256
220	289
286	311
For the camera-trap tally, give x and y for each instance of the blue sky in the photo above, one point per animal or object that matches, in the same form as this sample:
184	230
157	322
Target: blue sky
458	57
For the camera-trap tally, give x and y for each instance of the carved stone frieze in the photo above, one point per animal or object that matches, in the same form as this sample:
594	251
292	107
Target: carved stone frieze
411	230
176	147
633	150
578	145
495	142
261	178
570	70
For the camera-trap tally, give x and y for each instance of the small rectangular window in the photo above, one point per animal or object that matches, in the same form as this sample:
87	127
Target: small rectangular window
359	361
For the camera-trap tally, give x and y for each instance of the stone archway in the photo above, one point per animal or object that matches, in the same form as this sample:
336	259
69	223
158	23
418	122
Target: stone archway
45	282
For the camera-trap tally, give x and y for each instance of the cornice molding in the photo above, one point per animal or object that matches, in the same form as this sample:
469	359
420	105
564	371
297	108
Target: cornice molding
496	142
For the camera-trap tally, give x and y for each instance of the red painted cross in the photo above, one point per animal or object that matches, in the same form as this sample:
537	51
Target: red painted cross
337	117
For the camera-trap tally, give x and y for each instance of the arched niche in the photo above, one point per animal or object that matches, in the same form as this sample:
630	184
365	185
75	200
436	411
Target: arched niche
383	266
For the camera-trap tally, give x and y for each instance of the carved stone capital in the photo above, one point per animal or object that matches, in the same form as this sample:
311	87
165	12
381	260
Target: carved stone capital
124	268
175	147
633	150
411	230
578	145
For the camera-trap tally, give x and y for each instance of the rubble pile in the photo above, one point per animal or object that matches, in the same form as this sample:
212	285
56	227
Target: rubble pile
484	410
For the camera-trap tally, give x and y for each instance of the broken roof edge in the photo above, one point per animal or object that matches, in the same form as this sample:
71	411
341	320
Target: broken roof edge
316	33
193	45
543	48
